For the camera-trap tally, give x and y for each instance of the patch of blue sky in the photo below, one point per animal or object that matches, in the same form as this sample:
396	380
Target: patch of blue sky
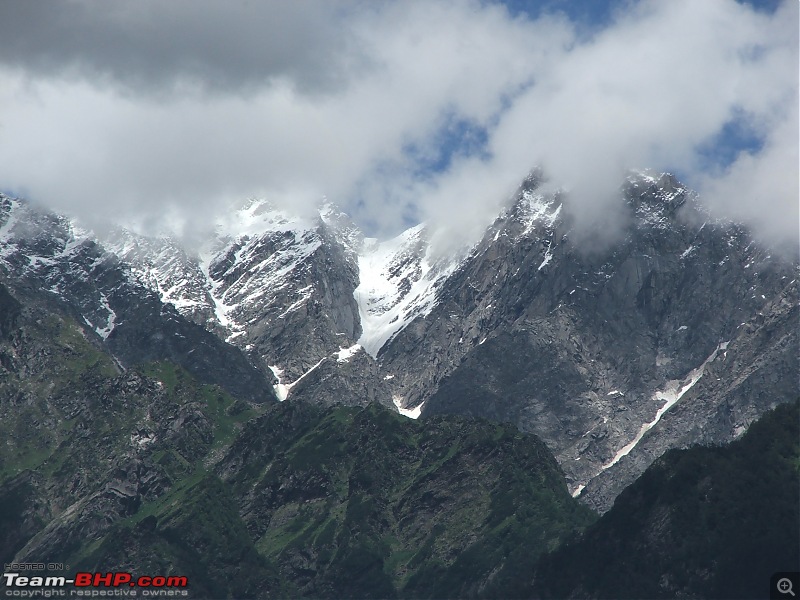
457	138
716	154
591	15
767	6
587	15
736	136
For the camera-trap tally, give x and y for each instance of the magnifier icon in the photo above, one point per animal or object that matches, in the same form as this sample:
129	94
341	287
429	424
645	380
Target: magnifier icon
785	586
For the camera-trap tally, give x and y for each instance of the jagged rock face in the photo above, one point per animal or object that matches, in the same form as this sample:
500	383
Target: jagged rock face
285	289
586	345
47	257
164	266
707	522
278	286
585	348
292	292
753	373
345	378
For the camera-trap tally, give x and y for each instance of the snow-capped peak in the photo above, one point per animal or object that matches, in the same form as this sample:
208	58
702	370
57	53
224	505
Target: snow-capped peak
258	217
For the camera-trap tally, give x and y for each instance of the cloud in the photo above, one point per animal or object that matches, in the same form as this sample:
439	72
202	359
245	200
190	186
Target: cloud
150	46
394	110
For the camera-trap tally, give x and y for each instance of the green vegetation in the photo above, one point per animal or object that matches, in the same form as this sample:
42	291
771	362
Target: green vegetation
444	508
225	413
149	471
194	531
709	522
32	427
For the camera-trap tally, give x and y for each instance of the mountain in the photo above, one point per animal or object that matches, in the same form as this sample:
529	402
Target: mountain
228	411
47	259
86	441
599	353
708	522
278	286
678	328
148	470
357	502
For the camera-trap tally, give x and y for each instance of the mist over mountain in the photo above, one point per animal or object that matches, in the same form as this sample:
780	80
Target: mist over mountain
399	112
251	388
343	299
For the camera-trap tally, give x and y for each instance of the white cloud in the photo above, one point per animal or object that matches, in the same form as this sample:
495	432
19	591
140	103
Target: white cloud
648	91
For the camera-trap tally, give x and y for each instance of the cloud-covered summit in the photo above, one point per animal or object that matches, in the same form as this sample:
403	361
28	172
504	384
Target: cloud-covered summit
155	113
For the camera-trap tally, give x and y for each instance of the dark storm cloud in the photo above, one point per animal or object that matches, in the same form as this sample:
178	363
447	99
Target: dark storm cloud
149	45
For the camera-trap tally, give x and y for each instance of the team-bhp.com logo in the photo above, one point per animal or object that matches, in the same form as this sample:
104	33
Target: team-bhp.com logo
118	584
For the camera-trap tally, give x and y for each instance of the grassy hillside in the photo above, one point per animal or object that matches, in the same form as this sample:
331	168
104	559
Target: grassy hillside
149	471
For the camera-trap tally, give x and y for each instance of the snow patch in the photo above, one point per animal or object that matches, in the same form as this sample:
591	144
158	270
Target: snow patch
411	413
398	282
534	209
547	258
111	321
671	394
281	389
345	354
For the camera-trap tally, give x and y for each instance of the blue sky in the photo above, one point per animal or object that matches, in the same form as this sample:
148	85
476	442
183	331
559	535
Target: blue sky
462	138
399	110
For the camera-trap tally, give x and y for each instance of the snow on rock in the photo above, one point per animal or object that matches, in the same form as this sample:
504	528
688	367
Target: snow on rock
398	282
104	332
532	210
253	259
281	389
248	261
345	354
547	258
673	391
411	413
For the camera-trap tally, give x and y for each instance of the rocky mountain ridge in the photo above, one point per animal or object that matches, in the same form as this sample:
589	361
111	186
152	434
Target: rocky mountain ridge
605	353
707	522
49	259
147	469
